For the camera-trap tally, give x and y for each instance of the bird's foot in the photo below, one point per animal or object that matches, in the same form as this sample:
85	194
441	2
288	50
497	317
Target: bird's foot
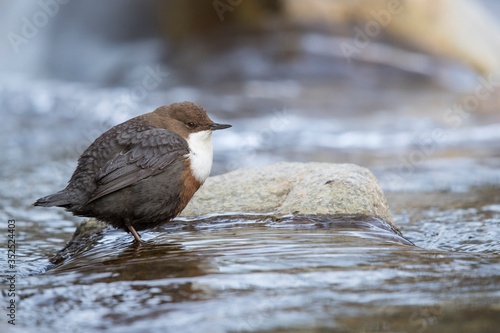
129	226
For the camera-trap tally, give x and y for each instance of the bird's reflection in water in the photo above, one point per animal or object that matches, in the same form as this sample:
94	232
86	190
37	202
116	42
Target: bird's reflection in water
116	258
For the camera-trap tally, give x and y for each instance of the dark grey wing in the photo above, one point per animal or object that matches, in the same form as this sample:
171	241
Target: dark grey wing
145	154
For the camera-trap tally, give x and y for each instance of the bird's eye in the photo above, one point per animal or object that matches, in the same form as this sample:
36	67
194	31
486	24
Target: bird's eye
191	125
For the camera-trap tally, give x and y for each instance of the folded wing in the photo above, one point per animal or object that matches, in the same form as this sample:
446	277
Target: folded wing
144	155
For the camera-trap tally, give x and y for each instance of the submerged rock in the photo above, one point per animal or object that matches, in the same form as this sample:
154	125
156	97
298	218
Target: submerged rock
293	188
82	238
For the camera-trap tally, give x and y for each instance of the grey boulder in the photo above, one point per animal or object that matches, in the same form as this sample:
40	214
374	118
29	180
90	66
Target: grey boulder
293	188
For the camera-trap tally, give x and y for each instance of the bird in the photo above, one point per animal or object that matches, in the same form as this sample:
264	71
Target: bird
143	172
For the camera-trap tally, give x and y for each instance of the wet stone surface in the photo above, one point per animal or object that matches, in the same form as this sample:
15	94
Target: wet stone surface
293	188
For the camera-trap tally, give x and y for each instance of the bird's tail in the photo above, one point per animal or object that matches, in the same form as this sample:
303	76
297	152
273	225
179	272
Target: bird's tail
59	199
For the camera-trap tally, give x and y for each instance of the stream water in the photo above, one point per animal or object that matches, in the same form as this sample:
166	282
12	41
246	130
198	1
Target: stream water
251	273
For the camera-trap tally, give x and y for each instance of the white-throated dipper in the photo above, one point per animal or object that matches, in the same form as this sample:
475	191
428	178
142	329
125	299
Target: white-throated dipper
143	172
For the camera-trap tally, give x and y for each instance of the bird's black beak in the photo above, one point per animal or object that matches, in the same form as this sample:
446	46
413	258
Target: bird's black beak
214	127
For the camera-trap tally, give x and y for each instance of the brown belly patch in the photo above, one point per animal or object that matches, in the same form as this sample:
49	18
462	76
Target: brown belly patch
191	185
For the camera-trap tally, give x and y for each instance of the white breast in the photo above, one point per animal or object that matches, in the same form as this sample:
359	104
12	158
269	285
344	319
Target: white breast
201	154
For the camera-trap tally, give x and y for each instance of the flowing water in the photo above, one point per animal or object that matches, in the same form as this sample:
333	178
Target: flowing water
250	272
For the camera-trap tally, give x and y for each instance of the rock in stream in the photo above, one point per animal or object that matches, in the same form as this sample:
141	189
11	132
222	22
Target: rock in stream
277	191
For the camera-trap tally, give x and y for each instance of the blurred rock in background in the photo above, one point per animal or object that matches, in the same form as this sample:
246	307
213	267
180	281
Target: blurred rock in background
460	30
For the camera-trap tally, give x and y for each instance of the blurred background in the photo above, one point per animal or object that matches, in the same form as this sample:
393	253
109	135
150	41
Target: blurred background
408	89
395	86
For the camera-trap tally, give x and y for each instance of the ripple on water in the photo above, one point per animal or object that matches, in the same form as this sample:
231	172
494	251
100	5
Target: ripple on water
247	273
457	230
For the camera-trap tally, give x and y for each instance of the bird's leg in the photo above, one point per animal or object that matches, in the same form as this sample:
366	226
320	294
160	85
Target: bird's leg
128	224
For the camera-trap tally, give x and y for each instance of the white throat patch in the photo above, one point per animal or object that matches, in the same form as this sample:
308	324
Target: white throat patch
201	154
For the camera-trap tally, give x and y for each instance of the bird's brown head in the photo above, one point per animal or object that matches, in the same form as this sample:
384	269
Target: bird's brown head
184	118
